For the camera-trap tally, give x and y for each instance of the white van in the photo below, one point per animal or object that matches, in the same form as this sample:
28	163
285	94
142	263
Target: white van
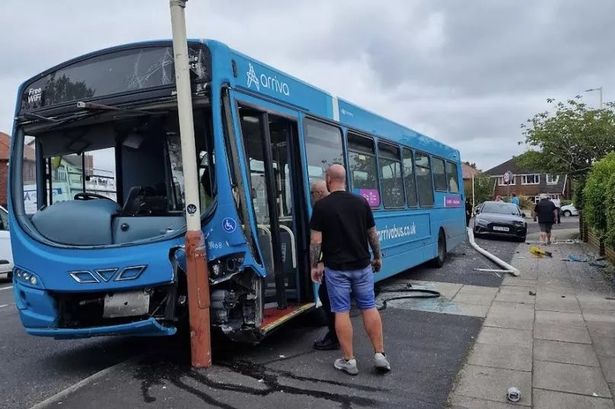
6	256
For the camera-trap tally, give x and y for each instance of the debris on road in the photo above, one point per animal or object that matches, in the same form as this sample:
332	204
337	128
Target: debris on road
540	252
513	394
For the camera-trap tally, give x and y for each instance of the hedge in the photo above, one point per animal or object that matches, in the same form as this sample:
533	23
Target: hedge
599	198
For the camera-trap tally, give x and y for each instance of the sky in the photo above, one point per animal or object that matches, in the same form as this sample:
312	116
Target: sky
467	73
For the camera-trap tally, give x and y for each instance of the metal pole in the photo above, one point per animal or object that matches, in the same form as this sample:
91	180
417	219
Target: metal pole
197	273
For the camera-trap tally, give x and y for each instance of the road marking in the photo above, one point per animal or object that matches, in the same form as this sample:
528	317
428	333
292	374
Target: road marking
4	305
6	288
73	388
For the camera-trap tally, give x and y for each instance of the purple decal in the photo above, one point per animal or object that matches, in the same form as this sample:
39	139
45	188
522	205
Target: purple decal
452	201
371	195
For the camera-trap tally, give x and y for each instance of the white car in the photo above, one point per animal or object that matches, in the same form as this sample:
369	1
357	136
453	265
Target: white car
569	210
6	256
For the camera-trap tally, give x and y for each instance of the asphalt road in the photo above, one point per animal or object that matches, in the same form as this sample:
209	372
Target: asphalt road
426	349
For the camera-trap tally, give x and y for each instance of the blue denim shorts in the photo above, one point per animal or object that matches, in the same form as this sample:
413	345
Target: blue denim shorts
358	283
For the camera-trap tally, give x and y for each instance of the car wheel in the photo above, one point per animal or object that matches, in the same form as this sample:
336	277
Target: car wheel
10	275
522	238
567	213
441	257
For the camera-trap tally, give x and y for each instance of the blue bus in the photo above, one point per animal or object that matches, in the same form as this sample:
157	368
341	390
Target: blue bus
108	258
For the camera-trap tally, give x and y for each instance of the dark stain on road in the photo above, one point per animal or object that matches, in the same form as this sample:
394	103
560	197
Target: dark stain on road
168	370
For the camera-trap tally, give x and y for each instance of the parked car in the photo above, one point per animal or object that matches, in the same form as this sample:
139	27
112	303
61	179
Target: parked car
500	219
6	256
569	210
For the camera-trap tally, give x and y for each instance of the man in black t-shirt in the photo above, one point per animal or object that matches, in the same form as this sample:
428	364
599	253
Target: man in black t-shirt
342	225
546	212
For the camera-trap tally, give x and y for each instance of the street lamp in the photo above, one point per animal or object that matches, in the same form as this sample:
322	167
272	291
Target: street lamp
599	89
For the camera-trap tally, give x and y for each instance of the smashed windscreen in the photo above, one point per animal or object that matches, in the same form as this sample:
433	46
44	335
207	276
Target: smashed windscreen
111	73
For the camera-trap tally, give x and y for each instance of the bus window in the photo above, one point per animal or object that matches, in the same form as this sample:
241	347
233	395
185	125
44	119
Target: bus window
409	181
362	168
451	174
323	146
28	175
423	180
390	172
439	174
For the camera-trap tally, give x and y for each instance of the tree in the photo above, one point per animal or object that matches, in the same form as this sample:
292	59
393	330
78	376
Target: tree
483	188
571	139
599	193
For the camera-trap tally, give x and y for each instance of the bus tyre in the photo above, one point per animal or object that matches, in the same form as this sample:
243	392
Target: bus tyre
441	256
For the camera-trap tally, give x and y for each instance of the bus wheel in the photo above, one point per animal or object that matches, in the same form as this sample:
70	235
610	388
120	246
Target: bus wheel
439	260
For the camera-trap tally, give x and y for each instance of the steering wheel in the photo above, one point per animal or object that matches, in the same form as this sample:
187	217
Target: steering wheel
89	196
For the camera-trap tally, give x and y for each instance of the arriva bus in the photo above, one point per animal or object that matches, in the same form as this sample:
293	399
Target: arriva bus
97	207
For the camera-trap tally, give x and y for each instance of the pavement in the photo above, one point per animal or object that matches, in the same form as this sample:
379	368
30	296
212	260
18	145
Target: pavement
550	333
462	350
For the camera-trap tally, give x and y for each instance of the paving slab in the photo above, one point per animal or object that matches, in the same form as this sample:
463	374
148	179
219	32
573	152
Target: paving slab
562	332
565	352
448	290
604	346
492	383
517	295
595	315
592	301
601	329
510	281
608	368
505	336
547	301
558	400
475	295
554	317
464	402
584	380
510	315
514	357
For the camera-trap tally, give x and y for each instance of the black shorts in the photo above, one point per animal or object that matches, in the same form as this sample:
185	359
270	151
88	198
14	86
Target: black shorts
545	227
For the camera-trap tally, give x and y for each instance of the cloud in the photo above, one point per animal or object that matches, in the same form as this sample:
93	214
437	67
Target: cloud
466	73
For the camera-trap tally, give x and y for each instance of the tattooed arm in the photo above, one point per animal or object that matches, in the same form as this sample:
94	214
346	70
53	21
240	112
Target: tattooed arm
374	243
315	244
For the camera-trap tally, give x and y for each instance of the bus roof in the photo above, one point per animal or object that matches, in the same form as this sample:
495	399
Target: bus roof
255	77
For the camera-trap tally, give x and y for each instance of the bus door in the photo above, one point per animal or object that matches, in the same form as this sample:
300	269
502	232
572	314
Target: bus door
272	152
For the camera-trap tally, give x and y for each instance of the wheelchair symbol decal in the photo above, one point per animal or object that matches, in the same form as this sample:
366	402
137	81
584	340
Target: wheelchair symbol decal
229	224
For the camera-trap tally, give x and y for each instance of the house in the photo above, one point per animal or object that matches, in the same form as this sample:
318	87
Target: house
5	143
528	182
29	170
469	172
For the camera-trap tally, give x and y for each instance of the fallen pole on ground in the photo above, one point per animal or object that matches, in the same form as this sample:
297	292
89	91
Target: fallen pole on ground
509	269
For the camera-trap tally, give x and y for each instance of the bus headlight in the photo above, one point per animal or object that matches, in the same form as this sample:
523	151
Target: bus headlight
26	277
225	267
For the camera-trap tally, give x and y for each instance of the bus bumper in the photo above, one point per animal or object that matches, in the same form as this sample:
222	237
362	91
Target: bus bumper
39	315
145	328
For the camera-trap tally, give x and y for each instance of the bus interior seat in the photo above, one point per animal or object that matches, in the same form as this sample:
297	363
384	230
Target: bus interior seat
91	221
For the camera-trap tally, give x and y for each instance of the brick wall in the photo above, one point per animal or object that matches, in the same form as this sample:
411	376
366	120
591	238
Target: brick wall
4	170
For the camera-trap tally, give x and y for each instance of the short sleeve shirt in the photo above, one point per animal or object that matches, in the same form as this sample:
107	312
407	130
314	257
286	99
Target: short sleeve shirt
344	219
544	210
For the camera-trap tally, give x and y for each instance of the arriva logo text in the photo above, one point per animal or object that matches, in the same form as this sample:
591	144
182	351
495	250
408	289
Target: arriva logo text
266	81
388	233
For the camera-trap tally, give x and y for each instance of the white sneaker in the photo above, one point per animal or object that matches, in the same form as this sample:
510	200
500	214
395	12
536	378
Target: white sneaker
350	366
381	362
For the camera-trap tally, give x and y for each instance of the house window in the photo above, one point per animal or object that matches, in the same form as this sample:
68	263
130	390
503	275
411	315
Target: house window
532	179
501	181
552	179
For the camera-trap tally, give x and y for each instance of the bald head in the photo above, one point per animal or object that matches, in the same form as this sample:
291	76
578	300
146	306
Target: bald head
336	178
318	190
